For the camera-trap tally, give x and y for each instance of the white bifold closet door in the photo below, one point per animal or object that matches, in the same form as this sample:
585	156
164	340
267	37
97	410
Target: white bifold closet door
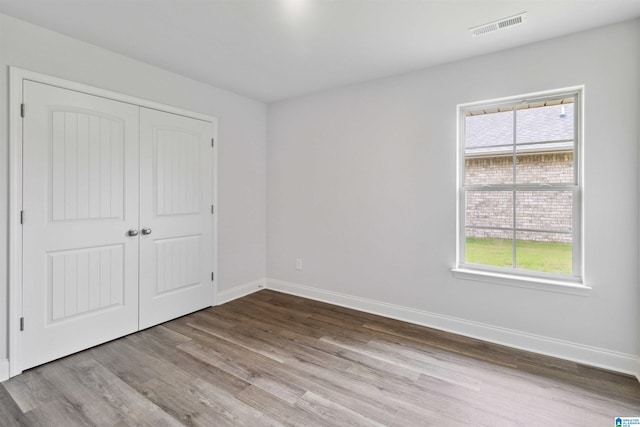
117	232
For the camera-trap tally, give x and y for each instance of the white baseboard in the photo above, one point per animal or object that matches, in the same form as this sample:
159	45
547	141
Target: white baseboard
587	355
4	370
239	291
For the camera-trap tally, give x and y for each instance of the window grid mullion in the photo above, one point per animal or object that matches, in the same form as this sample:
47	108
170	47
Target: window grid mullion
522	144
530	230
521	187
513	193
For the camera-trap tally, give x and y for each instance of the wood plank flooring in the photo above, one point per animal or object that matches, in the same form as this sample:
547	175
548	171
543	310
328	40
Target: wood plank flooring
271	359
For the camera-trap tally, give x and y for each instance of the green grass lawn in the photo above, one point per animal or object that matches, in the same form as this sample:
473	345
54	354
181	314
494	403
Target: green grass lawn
549	257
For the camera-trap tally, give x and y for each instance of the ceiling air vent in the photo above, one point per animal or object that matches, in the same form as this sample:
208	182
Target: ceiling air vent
501	24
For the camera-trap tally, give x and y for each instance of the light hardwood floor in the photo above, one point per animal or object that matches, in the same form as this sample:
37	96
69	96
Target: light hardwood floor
274	359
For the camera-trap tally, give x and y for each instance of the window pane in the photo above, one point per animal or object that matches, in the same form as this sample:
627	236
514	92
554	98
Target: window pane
492	209
545	142
537	123
544	210
486	129
545	168
545	252
489	147
488	170
489	247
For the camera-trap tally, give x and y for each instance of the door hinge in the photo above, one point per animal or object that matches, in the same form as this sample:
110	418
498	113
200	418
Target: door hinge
212	276
211	209
211	142
21	110
22	323
21	217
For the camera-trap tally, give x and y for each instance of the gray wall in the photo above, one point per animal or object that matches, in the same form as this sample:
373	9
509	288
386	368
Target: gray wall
362	187
241	134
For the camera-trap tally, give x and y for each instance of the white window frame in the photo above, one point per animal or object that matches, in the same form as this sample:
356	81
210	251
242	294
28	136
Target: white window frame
512	276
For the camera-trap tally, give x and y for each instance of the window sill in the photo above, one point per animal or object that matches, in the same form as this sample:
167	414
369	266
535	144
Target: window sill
522	282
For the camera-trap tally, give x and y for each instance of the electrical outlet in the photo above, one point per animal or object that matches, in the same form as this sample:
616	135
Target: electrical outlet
298	263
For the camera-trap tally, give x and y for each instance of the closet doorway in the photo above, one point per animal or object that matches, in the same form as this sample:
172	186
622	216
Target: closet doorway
117	218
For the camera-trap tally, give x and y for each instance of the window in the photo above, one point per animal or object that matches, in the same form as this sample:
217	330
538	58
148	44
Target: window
520	187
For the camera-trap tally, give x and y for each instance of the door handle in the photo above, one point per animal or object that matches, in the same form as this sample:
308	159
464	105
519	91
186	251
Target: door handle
132	232
146	231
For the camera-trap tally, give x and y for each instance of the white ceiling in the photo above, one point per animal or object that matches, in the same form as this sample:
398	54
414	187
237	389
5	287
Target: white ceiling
275	49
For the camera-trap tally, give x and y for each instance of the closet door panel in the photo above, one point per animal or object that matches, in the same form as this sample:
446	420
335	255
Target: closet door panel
176	193
80	196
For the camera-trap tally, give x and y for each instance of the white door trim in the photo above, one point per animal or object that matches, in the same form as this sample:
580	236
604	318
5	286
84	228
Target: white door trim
16	78
15	229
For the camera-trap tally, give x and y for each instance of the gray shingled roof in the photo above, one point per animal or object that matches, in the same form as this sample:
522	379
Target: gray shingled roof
486	132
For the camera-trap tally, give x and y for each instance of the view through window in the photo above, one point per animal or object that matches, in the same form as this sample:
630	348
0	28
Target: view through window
520	187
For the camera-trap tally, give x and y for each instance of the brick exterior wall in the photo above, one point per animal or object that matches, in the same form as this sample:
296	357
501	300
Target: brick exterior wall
553	210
